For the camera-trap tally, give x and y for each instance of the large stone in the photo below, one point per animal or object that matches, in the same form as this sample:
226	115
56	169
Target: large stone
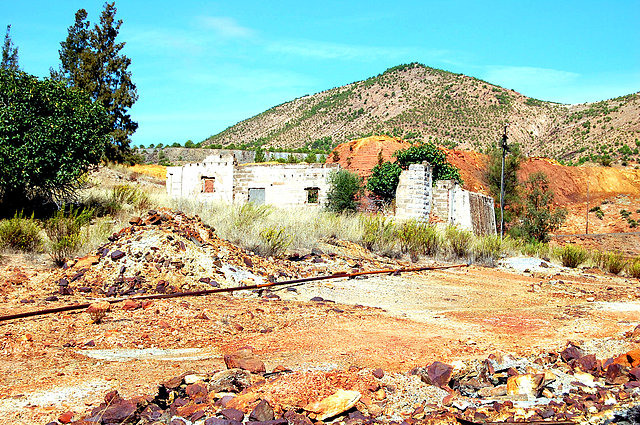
262	412
334	404
294	418
526	384
232	414
438	374
244	359
233	380
571	353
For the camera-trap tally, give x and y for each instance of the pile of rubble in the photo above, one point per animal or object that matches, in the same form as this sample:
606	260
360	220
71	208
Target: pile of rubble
569	386
167	251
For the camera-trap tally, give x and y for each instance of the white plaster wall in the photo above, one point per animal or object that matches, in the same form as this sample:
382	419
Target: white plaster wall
186	181
284	184
460	208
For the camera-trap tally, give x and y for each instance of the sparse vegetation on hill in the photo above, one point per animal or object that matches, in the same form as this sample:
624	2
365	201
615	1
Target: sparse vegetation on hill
416	102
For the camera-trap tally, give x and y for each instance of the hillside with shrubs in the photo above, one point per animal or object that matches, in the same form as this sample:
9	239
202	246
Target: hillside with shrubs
418	103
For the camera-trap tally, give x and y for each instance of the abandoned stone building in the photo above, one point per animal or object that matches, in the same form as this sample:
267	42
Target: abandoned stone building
446	202
220	178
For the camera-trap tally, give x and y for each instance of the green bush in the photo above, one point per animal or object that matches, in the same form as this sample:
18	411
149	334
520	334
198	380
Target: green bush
429	152
64	230
378	234
384	180
535	249
488	248
633	268
345	187
276	240
615	262
459	241
248	214
418	238
50	135
126	194
572	255
20	233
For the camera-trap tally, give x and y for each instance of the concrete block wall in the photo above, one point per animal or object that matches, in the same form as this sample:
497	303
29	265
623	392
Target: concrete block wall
284	184
413	195
459	207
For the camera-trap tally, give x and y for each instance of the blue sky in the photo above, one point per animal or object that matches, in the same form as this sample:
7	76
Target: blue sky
201	66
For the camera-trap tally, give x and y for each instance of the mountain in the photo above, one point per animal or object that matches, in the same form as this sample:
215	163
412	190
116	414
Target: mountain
415	102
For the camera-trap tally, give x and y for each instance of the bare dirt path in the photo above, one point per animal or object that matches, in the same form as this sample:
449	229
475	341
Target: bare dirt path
57	362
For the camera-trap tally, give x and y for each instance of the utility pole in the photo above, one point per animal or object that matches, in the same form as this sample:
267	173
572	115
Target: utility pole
505	149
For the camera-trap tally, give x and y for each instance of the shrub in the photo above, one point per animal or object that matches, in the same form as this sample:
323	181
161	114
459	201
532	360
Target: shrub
126	194
572	255
344	189
459	241
488	248
633	268
378	234
384	180
436	157
418	238
20	233
64	230
249	213
615	262
535	249
276	240
50	135
539	219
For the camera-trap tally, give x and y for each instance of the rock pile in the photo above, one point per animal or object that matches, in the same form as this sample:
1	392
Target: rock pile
568	385
167	251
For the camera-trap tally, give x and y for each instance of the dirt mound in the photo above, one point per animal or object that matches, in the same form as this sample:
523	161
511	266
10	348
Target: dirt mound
167	251
361	155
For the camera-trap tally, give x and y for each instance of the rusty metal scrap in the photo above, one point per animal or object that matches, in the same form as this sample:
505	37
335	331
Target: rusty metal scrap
73	307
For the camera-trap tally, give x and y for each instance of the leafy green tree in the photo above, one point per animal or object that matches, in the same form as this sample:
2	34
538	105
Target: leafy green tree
539	218
91	60
50	135
311	158
260	157
9	53
189	144
512	187
384	180
416	154
345	187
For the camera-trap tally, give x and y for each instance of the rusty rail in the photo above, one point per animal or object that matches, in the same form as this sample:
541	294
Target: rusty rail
221	290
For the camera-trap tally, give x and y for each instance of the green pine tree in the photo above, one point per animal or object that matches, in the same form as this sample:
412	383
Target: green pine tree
91	60
9	53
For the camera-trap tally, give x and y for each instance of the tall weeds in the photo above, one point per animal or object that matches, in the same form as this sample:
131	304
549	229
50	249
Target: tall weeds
20	233
64	230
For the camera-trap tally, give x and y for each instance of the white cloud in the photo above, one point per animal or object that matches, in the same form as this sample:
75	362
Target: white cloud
225	26
521	77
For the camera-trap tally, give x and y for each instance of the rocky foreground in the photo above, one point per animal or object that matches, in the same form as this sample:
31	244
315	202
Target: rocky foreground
570	387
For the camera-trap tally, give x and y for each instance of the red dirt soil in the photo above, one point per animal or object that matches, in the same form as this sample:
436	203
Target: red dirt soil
611	188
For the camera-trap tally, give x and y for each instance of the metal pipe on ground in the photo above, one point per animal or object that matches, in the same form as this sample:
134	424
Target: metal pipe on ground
73	307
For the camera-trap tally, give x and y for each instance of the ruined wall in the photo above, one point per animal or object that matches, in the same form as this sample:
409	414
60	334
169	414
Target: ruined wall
189	155
413	195
210	180
483	214
468	210
283	185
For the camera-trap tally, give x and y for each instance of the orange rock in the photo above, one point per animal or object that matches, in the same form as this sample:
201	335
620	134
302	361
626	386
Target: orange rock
87	261
131	305
65	418
333	405
633	357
